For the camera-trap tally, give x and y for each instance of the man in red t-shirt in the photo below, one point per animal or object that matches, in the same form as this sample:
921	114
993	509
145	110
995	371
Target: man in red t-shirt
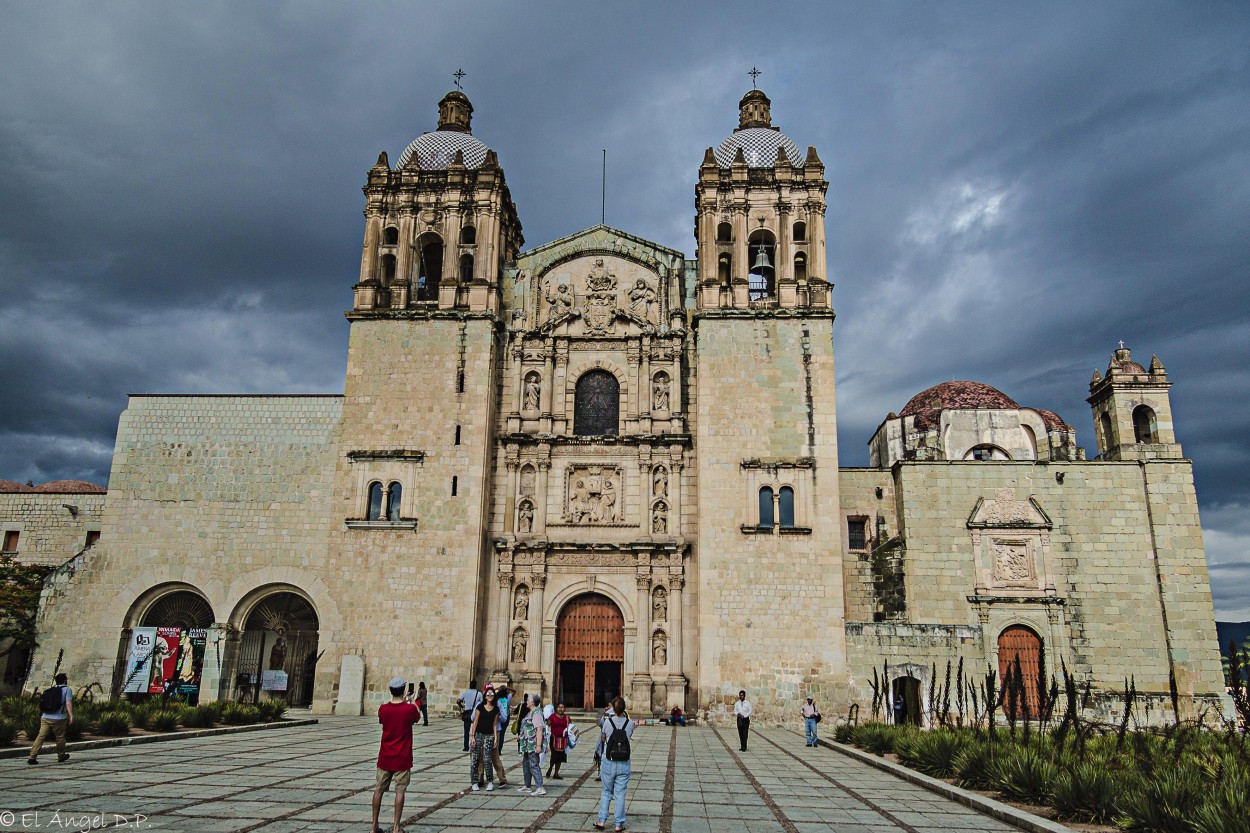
395	756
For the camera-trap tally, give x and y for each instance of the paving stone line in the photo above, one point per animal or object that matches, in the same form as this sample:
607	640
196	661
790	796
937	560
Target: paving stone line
772	805
449	800
855	794
666	805
550	812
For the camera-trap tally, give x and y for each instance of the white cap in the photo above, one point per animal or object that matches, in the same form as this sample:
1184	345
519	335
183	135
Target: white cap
397	682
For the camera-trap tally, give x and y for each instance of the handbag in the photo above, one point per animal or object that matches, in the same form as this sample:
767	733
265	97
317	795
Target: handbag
817	716
558	743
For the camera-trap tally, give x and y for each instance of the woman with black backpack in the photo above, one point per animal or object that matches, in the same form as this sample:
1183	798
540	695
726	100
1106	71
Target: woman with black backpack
614	769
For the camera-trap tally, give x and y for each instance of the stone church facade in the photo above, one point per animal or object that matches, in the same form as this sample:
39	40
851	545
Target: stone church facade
597	467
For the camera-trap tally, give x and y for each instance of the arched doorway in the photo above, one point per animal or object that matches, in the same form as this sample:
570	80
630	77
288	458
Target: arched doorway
162	646
590	652
905	700
1021	643
278	651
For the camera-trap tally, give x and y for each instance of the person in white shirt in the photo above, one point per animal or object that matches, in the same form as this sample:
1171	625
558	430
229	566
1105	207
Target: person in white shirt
810	718
469	700
742	710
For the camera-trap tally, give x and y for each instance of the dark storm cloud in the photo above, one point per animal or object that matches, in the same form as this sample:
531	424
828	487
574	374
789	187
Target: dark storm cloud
1013	189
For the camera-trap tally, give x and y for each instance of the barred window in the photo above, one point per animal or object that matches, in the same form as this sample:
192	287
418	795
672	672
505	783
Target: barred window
856	534
596	404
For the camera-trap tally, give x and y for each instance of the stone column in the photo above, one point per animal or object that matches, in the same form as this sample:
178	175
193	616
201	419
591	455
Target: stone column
644	490
538	587
674	498
518	369
676	679
559	387
403	257
369	257
509	503
640	685
542	495
503	622
546	392
634	410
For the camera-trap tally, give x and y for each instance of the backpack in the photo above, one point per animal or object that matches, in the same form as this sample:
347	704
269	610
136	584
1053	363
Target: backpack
52	700
617	747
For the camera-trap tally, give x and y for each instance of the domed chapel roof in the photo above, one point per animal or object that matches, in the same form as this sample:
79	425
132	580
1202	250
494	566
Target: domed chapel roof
756	137
927	405
437	149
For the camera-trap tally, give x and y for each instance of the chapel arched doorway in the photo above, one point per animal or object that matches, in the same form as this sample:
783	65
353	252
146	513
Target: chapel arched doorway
590	652
1022	644
278	650
162	643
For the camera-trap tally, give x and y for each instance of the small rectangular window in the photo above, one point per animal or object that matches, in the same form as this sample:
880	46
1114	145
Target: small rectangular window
457	435
10	540
455	482
857	534
93	535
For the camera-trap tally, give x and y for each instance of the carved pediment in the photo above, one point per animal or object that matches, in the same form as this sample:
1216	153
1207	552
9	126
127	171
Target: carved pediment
598	295
1005	511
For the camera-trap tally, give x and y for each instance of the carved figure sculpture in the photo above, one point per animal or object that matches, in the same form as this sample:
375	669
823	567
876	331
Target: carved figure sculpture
659	392
561	301
659	519
532	390
601	298
659	482
659	605
592	497
642	301
607	500
520	642
525	517
521	607
659	652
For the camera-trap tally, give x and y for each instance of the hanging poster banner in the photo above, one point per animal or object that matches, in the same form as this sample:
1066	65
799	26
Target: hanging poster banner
139	660
164	660
273	680
190	663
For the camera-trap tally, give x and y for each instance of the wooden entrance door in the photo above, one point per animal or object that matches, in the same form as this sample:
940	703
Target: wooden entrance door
590	638
1020	642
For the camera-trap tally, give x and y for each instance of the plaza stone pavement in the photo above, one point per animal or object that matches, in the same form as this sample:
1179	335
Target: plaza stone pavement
320	778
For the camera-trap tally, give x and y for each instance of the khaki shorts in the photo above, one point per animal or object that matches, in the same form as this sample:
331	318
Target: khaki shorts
400	779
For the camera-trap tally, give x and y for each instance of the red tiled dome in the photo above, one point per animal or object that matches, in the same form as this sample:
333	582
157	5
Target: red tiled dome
70	487
955	396
1052	419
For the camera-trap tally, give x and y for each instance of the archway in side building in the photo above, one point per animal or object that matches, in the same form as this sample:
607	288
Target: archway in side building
590	652
277	656
905	700
1022	644
162	643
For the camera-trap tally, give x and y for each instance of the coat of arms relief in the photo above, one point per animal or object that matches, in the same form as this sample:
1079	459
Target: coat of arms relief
593	495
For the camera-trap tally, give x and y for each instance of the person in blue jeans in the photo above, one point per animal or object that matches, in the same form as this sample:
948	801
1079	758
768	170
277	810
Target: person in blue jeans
614	769
810	712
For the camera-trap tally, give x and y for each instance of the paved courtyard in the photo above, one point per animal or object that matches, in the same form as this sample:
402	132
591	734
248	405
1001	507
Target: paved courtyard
320	778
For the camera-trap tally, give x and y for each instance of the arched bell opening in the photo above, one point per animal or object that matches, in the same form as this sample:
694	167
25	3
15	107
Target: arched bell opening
762	255
429	266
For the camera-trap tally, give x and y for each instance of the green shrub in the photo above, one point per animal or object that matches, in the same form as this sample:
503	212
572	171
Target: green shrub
76	729
235	714
933	753
32	725
114	724
972	768
1086	792
200	717
842	733
271	710
1226	809
1025	775
165	720
8	731
141	713
1163	803
877	738
16	708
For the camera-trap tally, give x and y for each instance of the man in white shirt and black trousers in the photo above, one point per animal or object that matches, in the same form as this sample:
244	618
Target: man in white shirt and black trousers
742	710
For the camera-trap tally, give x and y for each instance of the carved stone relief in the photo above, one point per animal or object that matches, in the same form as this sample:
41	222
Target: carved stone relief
533	387
659	392
1004	510
525	516
659	482
642	303
659	648
659	518
1013	562
600	311
521	606
593	492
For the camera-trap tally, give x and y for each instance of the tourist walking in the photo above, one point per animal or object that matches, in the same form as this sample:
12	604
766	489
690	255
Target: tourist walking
811	716
56	712
503	702
468	701
395	752
559	724
607	712
533	737
423	703
742	710
614	769
483	730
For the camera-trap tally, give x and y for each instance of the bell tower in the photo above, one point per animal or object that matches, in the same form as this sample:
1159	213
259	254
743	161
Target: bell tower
1132	410
759	218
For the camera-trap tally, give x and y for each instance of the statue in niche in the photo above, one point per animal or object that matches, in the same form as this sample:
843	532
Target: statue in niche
659	482
525	517
659	605
659	519
527	481
532	391
520	642
642	301
521	607
659	652
659	393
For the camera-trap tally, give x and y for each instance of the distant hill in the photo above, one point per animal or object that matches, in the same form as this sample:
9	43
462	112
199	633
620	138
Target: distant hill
1238	632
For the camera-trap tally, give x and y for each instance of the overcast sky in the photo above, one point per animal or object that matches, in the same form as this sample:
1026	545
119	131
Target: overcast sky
1013	188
